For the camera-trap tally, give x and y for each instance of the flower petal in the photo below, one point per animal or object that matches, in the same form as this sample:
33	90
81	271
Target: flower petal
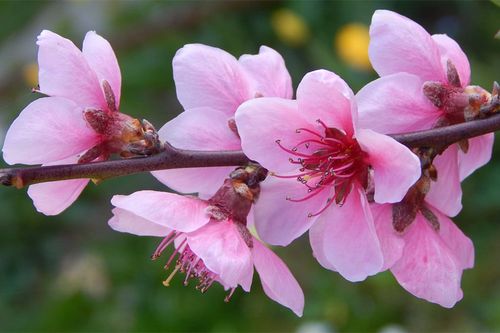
269	73
279	221
395	167
47	130
391	243
125	221
449	49
397	44
263	121
54	197
459	244
446	193
344	239
198	129
101	58
64	72
428	269
224	252
479	153
396	104
324	95
208	76
174	211
277	280
194	180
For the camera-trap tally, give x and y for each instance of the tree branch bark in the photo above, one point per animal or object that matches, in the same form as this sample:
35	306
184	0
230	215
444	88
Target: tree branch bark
173	158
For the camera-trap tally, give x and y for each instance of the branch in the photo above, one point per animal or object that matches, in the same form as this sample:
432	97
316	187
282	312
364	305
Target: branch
170	158
173	158
445	136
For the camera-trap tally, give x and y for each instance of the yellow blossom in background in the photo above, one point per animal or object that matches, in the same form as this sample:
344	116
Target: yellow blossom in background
351	43
30	75
290	27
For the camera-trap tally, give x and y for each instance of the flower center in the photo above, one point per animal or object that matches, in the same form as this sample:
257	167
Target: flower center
187	262
328	160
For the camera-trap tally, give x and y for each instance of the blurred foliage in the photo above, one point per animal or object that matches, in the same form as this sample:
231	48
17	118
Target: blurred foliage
73	273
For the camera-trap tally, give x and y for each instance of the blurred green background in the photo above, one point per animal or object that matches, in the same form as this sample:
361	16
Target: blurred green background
73	273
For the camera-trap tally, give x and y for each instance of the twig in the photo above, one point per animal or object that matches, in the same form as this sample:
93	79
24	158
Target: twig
173	158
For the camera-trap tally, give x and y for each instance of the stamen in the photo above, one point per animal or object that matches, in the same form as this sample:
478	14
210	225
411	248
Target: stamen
299	130
174	254
228	297
335	162
166	283
163	245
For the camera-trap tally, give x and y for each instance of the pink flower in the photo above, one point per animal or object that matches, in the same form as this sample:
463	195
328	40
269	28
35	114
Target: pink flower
428	257
424	83
211	84
210	245
79	122
321	160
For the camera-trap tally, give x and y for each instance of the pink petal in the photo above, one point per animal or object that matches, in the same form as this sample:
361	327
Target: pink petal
396	104
261	122
47	130
479	153
428	269
449	49
446	194
324	95
208	76
344	239
101	58
194	180
279	221
459	244
391	242
269	73
224	252
397	44
198	129
174	211
125	221
277	280
395	167
54	197
64	72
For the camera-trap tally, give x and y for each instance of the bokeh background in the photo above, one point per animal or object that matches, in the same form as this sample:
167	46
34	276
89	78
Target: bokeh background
73	273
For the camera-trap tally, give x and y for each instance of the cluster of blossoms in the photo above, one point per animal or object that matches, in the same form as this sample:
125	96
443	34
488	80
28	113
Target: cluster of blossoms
322	162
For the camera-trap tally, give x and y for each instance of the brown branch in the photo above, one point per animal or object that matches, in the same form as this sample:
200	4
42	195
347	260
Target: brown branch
445	136
173	158
170	158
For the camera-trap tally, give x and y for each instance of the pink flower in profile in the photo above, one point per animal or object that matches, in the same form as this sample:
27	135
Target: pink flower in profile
78	122
321	166
210	245
210	85
424	83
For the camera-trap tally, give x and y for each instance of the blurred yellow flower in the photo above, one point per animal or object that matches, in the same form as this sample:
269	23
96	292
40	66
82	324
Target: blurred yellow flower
290	27
30	75
351	43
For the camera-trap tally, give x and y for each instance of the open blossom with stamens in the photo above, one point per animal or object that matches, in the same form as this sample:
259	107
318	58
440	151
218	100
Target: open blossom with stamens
321	166
210	85
424	84
211	244
78	122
